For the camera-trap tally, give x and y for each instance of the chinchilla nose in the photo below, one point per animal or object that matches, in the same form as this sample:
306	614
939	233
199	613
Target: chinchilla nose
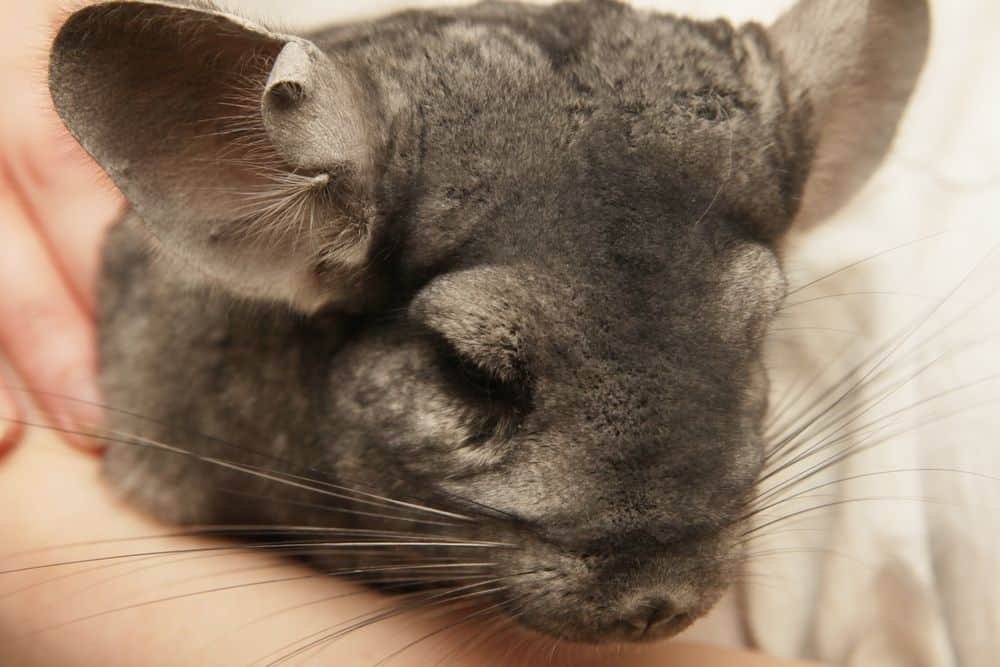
655	618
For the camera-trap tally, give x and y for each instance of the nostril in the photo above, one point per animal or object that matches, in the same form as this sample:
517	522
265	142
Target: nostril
656	618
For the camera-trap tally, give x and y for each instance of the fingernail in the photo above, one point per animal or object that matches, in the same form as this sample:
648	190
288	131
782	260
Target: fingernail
81	415
9	428
6	436
79	436
86	404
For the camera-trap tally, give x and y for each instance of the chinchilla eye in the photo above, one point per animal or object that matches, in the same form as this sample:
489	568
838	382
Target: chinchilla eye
494	407
480	379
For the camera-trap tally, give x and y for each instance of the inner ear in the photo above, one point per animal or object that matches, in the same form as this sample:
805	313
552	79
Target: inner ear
852	66
151	89
243	150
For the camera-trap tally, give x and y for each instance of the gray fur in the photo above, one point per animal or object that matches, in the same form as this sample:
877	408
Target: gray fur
542	254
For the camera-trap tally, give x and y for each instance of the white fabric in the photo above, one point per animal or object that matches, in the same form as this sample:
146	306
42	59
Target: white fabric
908	577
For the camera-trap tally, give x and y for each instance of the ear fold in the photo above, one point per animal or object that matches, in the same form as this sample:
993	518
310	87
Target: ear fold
852	66
247	153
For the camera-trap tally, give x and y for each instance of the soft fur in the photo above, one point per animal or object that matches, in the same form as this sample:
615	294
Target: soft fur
512	262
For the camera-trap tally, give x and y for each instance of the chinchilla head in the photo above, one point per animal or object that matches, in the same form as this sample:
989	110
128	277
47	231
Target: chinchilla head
557	230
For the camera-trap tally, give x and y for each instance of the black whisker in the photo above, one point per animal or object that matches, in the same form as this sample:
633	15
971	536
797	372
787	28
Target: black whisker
836	503
370	618
787	446
405	581
445	578
475	616
825	329
844	294
391	611
896	344
355	574
862	261
503	622
864	446
323	546
791	398
880	473
228	530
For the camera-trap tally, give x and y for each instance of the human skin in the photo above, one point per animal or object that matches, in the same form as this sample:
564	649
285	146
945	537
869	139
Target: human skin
54	207
51	495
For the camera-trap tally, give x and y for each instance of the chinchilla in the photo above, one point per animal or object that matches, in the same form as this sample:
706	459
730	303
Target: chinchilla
475	292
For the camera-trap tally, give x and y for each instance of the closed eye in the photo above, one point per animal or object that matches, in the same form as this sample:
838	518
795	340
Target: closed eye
480	377
500	403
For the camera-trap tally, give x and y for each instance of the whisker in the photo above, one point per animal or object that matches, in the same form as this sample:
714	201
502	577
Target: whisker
899	341
503	622
62	577
845	294
465	597
277	477
833	439
118	557
341	492
729	171
384	613
215	439
862	261
357	574
333	509
397	565
825	329
837	503
225	530
786	445
879	473
791	399
921	370
491	609
423	567
799	426
201	593
149	420
278	548
864	446
364	620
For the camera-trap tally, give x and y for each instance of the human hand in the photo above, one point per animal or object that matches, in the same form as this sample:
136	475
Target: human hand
54	208
229	607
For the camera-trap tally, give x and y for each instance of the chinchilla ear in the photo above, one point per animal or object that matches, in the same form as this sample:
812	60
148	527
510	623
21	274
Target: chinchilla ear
851	68
247	153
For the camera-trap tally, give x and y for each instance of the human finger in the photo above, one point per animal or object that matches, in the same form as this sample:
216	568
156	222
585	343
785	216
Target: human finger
44	332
